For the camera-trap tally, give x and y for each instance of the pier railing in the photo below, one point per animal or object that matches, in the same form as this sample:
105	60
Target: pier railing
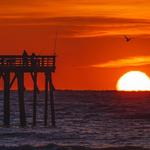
29	62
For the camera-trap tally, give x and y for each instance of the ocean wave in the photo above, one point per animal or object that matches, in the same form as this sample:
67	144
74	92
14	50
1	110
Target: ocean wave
56	147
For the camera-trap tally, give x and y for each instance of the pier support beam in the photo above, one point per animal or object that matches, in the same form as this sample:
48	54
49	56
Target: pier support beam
51	88
46	100
20	77
34	76
6	77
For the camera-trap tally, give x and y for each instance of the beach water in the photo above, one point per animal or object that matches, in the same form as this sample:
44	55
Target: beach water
93	119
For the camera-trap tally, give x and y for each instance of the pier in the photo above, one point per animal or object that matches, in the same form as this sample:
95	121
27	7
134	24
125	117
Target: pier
13	68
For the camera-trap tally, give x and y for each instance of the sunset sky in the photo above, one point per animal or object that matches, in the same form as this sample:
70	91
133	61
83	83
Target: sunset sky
91	49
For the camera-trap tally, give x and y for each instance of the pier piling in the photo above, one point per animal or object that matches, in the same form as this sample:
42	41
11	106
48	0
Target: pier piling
20	77
34	98
51	88
6	78
46	99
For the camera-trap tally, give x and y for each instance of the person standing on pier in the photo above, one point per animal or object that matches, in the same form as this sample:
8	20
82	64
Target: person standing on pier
33	59
25	58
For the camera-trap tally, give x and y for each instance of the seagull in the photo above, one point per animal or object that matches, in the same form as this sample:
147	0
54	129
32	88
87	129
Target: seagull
127	38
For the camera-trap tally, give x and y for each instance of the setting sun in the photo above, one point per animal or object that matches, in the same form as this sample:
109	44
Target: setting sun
134	81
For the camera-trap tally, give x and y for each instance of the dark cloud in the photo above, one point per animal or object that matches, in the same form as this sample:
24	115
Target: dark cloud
84	26
74	21
11	3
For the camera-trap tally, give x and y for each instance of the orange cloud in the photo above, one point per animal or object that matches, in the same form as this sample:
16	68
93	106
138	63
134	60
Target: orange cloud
109	8
85	26
79	18
127	62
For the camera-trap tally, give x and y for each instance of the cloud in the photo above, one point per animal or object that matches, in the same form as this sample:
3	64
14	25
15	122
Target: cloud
20	2
109	8
127	62
81	27
79	18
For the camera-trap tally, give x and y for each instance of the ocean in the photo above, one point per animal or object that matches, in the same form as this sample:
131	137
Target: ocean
94	119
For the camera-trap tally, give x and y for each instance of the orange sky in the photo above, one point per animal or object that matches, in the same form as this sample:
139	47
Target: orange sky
92	53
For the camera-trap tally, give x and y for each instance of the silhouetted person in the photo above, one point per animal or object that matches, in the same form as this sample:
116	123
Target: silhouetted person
33	59
25	58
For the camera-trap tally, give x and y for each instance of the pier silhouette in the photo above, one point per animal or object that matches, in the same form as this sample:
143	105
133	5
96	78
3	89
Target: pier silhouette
17	66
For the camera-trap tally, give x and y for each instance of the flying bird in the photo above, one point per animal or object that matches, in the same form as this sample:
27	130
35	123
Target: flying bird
128	39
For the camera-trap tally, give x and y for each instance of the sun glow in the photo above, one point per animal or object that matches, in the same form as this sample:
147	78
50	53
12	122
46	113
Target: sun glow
134	81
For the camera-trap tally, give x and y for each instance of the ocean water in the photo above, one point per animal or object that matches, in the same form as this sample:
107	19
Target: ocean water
93	119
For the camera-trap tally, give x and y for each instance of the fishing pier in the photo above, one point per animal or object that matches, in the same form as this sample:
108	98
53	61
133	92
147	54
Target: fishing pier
13	68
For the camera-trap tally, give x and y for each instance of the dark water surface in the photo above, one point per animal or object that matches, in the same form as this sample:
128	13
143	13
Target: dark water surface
84	118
